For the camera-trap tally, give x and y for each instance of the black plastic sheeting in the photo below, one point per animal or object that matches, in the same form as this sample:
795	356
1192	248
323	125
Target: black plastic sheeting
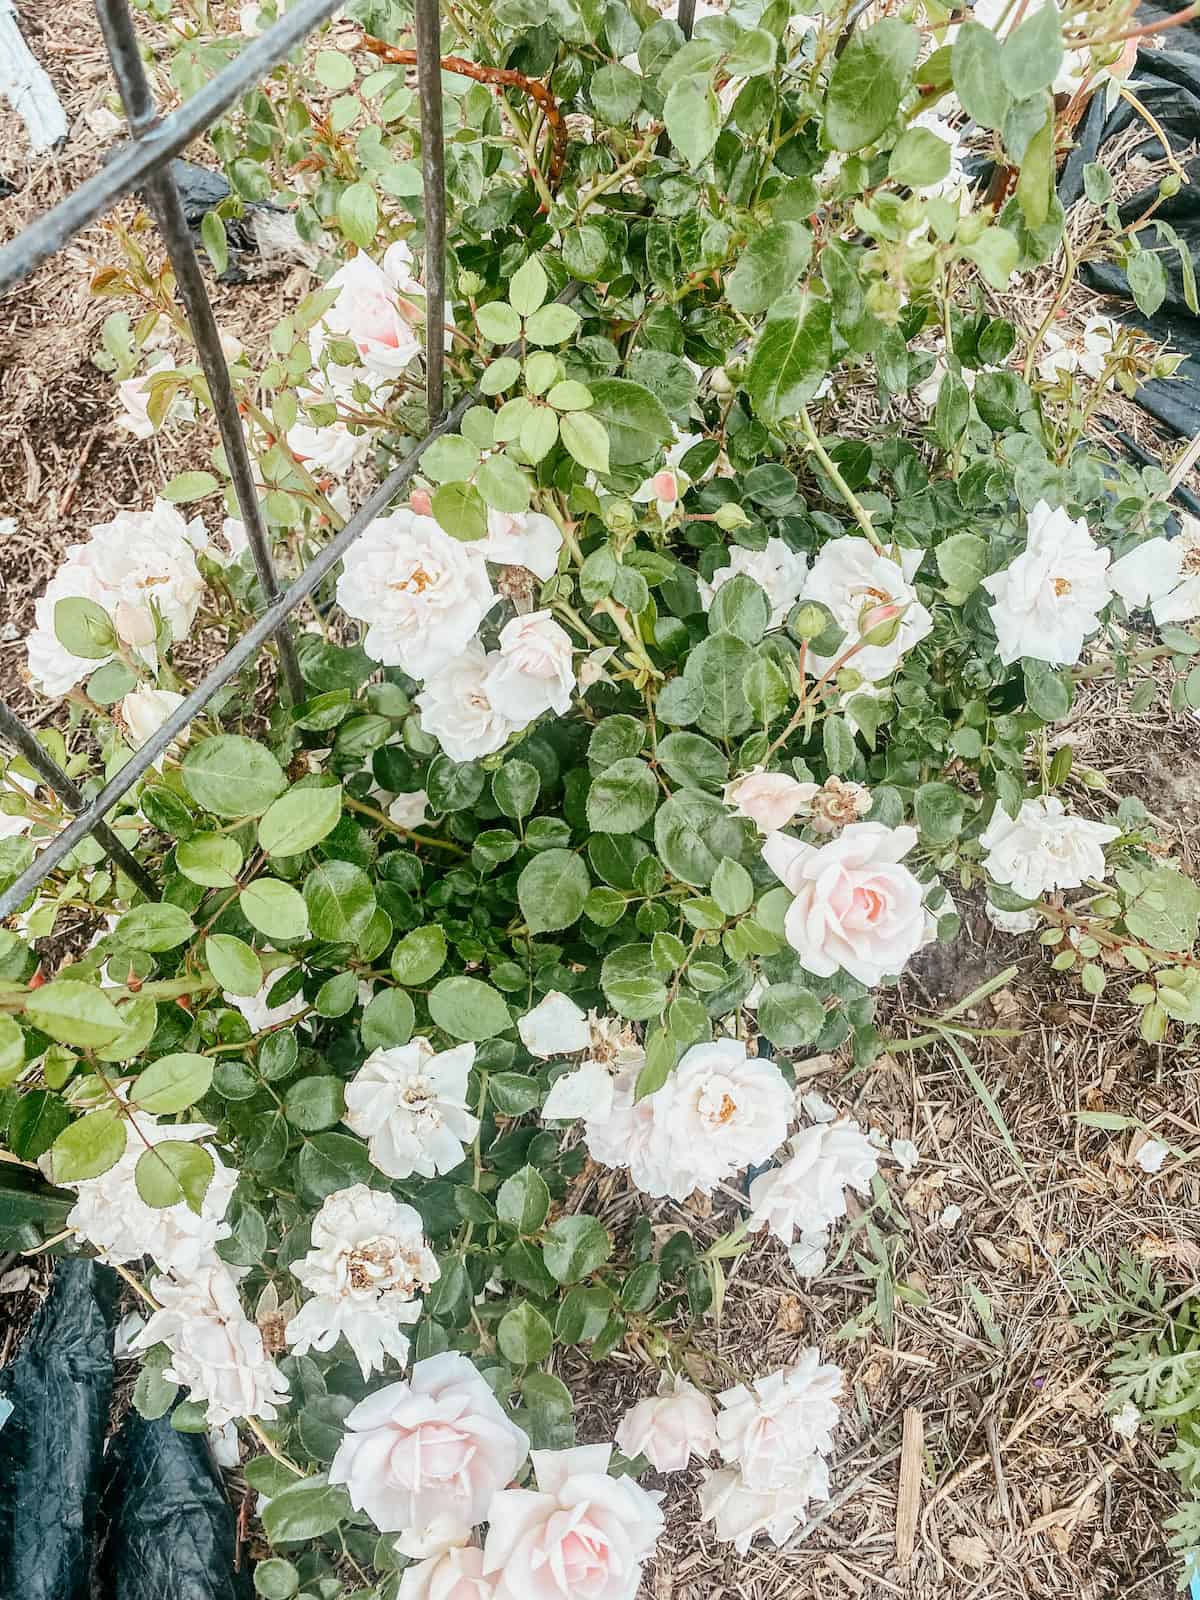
170	1531
1167	82
51	1447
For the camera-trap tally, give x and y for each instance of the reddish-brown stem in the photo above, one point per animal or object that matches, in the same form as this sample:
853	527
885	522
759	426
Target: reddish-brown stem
501	77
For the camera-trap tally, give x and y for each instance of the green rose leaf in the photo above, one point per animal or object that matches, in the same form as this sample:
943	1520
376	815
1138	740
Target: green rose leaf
74	1013
623	797
233	964
155	928
465	1008
769	266
88	1147
635	420
869	82
174	1173
576	1247
172	1083
274	909
419	955
523	1201
232	776
524	1335
551	890
299	820
791	356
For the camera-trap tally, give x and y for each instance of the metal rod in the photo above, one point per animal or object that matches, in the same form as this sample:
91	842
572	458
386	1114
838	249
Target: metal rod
65	787
135	161
245	648
427	16
120	37
686	17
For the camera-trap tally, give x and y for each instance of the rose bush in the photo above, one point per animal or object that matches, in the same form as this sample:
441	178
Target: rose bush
640	748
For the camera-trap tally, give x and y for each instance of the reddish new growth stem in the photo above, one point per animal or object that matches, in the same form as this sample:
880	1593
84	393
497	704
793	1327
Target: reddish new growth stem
502	78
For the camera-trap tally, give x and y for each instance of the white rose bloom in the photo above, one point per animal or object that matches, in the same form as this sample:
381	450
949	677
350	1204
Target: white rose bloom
779	570
257	1009
770	799
1163	574
807	1192
855	906
522	539
738	1512
410	810
217	1353
378	309
143	711
134	395
533	672
1049	599
1044	848
368	1263
767	1429
555	1027
139	566
112	1216
332	448
863	590
670	1427
1012	922
719	1111
1082	351
410	1104
457	710
421	593
428	1456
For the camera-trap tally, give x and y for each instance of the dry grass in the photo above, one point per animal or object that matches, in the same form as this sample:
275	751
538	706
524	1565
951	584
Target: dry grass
1021	1487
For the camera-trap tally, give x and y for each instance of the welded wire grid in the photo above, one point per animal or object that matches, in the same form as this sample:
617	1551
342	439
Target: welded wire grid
143	165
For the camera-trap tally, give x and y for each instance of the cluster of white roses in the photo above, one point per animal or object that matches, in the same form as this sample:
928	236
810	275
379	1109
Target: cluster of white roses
719	1112
216	1351
433	1458
423	596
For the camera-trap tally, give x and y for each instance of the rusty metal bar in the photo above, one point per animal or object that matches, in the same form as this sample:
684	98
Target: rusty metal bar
428	20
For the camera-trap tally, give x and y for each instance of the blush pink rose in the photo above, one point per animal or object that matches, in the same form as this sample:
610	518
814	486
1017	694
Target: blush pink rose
669	1428
432	1450
856	907
580	1535
456	1574
770	799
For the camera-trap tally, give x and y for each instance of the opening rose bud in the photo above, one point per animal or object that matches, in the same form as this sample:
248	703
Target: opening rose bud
879	625
666	486
421	502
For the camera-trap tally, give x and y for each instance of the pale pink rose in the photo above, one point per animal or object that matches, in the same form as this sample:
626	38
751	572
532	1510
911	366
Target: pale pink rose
437	1447
375	310
669	1428
770	799
580	1535
856	907
421	502
455	1575
534	671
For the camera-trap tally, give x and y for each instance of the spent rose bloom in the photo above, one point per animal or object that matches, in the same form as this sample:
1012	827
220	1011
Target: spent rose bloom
778	569
457	709
377	309
421	593
720	1110
855	906
1049	599
534	672
807	1192
1083	351
862	588
1044	848
455	1574
143	711
834	803
410	1104
140	568
669	1427
579	1533
217	1353
767	1429
435	1449
368	1263
1163	574
738	1512
555	1027
770	799
522	539
112	1216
